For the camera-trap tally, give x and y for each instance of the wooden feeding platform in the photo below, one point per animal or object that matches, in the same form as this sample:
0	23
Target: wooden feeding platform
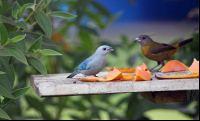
157	91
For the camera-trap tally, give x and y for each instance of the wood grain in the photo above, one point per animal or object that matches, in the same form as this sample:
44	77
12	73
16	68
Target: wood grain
58	85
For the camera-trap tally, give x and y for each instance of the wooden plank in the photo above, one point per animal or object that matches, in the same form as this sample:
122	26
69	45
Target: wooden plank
165	97
59	85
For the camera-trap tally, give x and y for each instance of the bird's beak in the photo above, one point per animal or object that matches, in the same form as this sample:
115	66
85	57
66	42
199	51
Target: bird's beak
111	49
137	40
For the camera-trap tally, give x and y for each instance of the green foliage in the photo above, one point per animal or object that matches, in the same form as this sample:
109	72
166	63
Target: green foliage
36	45
44	21
38	65
4	34
2	72
62	15
15	36
4	115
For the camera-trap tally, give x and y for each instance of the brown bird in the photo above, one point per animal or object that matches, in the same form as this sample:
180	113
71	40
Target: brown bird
158	51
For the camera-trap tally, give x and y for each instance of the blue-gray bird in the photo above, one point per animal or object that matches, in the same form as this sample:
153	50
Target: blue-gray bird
94	64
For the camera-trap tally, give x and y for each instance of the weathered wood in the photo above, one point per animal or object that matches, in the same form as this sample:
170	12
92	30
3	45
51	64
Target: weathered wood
165	97
59	85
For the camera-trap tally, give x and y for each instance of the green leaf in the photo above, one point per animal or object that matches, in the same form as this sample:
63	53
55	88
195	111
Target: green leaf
17	38
36	45
124	40
101	8
23	25
49	52
4	115
4	7
44	22
39	106
5	83
38	65
86	40
7	20
12	60
4	34
18	93
89	30
2	72
62	15
4	53
17	54
26	6
30	36
113	19
47	2
0	3
96	18
8	69
20	44
5	93
15	9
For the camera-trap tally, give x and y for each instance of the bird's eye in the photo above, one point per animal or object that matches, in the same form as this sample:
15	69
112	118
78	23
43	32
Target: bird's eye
143	38
104	48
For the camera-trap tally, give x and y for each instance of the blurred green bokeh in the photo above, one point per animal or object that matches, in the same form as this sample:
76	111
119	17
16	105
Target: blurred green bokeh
76	42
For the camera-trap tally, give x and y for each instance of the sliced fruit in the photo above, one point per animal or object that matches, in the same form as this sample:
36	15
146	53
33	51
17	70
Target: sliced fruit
127	77
174	66
194	68
142	75
143	66
109	69
123	70
114	75
92	79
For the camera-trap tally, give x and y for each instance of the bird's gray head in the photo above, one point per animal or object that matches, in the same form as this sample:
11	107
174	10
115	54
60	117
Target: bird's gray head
144	40
103	50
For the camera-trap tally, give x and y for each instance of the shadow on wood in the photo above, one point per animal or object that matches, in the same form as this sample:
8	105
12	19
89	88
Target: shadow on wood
166	97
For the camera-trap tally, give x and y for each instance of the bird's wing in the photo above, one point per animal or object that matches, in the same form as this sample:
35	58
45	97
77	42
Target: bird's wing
158	48
84	65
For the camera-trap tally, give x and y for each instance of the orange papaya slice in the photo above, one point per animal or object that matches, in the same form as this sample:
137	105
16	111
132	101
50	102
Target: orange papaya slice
92	79
143	66
174	66
114	75
194	68
127	77
142	74
123	70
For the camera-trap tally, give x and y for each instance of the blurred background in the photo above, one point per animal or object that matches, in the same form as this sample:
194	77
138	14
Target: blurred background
116	23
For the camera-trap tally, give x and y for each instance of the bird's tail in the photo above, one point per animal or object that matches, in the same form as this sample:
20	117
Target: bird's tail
185	42
73	74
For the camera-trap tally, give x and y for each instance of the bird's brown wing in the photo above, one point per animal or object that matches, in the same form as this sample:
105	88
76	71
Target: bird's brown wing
158	48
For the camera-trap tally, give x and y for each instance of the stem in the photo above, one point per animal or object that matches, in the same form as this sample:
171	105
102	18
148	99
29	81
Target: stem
34	4
30	26
39	4
35	10
16	26
40	7
2	47
30	16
